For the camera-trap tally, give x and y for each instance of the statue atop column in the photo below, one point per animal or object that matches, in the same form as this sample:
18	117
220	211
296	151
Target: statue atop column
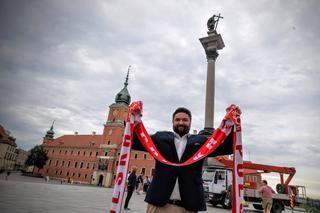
212	24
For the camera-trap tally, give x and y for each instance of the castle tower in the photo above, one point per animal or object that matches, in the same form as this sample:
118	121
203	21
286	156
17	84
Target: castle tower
113	134
118	111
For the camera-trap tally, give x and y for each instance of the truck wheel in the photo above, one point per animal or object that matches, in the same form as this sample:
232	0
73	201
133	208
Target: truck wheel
226	203
277	207
213	203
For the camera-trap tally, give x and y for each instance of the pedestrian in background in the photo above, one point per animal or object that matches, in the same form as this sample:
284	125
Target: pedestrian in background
146	183
140	184
7	175
132	179
266	196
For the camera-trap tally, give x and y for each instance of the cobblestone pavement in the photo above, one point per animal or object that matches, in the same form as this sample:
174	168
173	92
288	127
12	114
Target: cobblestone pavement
21	194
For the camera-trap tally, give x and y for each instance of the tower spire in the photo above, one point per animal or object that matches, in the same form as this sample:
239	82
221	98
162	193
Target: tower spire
50	132
127	78
51	128
123	96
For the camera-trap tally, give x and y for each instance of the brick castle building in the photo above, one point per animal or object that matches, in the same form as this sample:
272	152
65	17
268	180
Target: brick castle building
93	158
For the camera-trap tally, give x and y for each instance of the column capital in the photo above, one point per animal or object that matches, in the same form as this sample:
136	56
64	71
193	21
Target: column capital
212	44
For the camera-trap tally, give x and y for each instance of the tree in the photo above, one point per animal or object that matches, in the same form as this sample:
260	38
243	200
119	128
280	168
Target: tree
38	157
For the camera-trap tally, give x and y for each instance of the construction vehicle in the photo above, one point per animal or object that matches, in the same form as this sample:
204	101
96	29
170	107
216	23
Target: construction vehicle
217	181
217	186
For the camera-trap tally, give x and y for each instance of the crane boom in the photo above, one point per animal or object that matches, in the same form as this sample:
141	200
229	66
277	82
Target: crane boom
262	168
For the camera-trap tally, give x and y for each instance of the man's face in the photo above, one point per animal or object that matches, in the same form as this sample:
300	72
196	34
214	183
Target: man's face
181	123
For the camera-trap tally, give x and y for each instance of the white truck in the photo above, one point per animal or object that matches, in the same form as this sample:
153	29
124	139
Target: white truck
217	183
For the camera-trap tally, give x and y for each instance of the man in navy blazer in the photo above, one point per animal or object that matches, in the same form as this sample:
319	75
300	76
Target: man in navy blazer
178	189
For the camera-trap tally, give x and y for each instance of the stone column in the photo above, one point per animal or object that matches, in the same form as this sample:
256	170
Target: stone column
211	44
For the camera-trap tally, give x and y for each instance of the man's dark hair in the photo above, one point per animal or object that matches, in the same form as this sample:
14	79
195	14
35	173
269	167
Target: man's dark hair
265	182
184	110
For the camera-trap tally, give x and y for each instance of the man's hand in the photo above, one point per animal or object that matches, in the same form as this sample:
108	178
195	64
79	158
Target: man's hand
233	113
136	110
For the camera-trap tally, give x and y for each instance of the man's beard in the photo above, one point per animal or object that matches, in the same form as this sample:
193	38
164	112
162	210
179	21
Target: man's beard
181	129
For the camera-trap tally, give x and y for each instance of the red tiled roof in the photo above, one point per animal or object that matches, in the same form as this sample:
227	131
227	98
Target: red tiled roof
5	137
77	141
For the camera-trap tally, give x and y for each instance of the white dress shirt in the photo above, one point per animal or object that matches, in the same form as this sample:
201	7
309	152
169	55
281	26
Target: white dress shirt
180	143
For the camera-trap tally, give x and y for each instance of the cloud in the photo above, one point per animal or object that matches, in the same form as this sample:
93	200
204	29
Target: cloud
66	62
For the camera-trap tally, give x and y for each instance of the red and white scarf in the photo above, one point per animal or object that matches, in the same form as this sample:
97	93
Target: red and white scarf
134	124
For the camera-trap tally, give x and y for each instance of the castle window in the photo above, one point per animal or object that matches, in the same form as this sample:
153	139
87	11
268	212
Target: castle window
81	165
106	153
75	164
135	155
90	153
255	178
66	152
62	163
69	163
144	156
109	142
78	152
57	162
85	176
88	165
84	153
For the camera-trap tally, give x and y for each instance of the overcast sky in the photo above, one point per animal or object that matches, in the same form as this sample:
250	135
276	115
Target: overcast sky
66	61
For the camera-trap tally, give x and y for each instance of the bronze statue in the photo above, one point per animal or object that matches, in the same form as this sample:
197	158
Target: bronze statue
213	23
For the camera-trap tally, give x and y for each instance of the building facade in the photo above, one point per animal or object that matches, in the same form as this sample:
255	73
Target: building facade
93	159
7	150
